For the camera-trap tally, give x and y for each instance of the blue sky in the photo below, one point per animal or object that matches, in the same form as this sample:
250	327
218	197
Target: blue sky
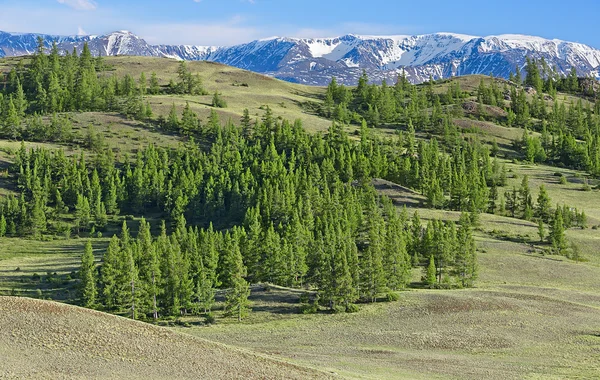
227	22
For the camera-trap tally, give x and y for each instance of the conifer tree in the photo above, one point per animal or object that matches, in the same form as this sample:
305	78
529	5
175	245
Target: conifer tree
542	209
466	259
245	122
339	289
557	232
82	212
3	226
541	230
372	276
154	85
525	199
205	294
431	274
149	270
88	278
189	121
236	300
110	273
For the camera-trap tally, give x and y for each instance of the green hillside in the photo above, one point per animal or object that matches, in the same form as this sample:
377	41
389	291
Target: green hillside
445	230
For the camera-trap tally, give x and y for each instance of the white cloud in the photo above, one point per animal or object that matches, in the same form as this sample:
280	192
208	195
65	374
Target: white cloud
80	5
81	32
234	30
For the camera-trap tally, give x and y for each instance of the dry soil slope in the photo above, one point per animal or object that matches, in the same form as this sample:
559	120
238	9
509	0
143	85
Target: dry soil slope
44	339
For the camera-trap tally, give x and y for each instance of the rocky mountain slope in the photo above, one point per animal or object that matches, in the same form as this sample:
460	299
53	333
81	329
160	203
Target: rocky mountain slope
315	61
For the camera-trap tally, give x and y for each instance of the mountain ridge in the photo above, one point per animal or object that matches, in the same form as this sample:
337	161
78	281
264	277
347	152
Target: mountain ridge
314	61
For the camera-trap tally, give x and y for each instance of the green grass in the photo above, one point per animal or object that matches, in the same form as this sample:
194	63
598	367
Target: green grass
532	315
240	89
22	259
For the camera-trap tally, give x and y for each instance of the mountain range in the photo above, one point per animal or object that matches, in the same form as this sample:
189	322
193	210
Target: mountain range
314	61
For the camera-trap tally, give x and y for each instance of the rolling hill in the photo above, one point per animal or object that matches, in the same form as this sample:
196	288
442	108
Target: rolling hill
532	314
45	339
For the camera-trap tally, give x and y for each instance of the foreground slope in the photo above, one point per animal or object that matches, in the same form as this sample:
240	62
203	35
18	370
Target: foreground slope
52	340
531	317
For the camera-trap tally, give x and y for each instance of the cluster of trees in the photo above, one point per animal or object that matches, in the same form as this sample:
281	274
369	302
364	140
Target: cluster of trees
56	83
518	203
262	202
177	274
547	79
386	104
300	207
570	131
169	275
459	179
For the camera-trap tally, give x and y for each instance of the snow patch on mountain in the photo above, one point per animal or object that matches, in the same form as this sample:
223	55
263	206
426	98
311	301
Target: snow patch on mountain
316	60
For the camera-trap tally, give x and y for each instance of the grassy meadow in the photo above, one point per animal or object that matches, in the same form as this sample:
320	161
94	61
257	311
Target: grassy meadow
531	315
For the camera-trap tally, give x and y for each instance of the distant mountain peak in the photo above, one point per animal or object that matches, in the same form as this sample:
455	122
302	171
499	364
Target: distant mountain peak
316	60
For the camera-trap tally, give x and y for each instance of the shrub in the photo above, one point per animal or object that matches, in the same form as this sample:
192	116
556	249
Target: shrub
309	308
392	296
209	319
218	101
305	297
563	180
352	308
338	309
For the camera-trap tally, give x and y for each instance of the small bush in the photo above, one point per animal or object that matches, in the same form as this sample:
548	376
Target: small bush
209	319
352	308
337	309
35	277
310	308
563	180
218	101
392	297
305	297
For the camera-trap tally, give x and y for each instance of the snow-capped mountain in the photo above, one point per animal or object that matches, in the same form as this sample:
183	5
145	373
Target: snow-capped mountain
316	60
